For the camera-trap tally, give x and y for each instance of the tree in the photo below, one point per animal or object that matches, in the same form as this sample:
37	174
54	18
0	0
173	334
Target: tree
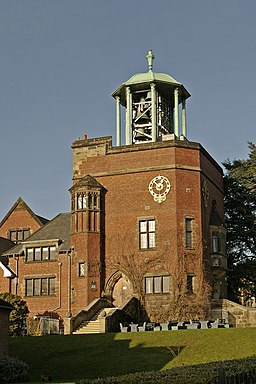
240	217
17	316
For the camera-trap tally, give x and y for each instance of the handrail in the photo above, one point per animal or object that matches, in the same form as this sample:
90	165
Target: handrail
87	313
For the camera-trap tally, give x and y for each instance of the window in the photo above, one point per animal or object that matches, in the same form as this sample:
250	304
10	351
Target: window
87	217
81	201
190	283
29	254
81	269
18	235
147	234
157	284
52	253
188	232
93	212
41	253
43	286
216	242
166	284
37	254
45	253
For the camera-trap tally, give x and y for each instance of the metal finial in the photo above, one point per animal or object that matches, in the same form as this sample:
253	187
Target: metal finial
150	58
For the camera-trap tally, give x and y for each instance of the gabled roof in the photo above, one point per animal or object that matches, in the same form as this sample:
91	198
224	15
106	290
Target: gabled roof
56	229
88	181
20	202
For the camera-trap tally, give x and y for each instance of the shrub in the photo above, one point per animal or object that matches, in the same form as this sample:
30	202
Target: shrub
17	315
13	370
195	374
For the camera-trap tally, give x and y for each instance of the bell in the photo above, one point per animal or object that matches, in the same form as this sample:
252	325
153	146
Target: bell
148	95
140	114
140	133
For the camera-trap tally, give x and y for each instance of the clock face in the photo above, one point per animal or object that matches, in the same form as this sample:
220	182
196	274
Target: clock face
159	187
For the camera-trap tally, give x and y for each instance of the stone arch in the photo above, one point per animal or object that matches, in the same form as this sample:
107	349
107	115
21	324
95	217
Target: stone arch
118	288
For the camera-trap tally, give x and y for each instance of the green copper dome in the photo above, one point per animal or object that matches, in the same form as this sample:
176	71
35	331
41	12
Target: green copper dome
150	76
164	82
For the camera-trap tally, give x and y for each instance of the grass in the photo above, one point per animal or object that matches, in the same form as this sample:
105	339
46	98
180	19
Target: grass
74	357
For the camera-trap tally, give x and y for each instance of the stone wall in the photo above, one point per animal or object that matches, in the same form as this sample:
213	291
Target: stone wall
236	314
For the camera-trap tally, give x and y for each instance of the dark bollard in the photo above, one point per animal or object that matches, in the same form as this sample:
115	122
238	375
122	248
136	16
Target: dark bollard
221	376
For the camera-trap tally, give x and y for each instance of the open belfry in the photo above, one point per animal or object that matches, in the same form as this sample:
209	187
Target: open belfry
146	233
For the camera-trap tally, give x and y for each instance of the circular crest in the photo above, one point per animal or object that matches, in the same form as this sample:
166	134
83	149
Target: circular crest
159	187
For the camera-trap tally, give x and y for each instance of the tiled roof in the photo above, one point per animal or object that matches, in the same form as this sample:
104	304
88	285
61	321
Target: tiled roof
5	244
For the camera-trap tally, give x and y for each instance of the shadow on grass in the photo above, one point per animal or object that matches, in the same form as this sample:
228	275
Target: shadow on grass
73	357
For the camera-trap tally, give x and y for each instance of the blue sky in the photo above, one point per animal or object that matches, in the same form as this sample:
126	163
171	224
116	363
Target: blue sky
62	59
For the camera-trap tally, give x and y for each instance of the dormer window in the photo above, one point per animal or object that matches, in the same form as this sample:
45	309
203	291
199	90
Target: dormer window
44	253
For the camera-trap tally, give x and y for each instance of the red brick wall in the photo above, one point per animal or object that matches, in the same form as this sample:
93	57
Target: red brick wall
86	249
43	305
125	172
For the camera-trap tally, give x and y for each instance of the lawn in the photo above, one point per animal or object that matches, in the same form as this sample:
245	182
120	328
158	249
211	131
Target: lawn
73	357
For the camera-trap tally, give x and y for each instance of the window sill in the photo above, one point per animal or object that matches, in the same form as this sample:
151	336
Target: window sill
158	294
40	261
147	249
40	296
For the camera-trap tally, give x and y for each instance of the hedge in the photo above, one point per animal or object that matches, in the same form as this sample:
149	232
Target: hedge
194	374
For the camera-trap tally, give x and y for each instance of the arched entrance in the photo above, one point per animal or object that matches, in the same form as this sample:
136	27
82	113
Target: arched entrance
119	289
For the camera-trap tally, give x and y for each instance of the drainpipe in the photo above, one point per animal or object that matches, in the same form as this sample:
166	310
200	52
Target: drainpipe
69	285
16	280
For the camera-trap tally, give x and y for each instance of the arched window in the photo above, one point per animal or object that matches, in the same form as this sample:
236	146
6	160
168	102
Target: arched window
81	201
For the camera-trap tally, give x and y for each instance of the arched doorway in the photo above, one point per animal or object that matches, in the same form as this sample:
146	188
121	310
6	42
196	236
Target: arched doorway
119	289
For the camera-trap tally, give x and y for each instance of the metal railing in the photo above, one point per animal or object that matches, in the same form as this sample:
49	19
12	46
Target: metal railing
240	378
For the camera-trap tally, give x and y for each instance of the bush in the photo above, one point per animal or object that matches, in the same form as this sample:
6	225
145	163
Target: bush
13	370
17	315
195	374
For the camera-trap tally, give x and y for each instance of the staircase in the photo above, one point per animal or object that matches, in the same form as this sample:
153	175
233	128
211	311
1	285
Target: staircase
92	325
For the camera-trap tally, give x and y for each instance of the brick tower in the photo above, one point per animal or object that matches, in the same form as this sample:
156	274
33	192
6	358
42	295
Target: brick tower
147	214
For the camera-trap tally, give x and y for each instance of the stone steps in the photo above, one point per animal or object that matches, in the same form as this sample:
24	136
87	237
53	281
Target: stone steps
91	326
